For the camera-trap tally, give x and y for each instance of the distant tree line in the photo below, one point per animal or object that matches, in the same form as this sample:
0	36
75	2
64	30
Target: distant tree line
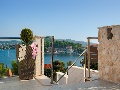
77	47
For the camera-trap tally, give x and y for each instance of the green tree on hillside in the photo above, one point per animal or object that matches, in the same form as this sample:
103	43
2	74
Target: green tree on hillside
58	66
63	44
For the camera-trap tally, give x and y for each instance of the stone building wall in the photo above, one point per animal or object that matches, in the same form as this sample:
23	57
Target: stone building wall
109	53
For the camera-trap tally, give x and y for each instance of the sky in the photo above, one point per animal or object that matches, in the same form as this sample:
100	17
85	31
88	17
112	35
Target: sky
63	19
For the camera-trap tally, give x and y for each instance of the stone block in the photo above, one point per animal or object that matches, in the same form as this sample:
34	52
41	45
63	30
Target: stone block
109	54
116	37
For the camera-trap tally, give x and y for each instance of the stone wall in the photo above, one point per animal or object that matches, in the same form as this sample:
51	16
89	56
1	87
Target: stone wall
109	53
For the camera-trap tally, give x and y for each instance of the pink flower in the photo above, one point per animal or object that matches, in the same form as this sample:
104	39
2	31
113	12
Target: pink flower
34	50
34	55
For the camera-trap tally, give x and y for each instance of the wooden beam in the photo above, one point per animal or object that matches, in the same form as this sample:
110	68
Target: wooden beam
92	37
10	37
52	54
85	67
88	57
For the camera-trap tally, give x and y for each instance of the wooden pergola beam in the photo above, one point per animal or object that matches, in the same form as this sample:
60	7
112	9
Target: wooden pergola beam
92	37
85	67
10	37
88	57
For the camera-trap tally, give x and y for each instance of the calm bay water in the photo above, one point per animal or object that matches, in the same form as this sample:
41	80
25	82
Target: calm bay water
6	57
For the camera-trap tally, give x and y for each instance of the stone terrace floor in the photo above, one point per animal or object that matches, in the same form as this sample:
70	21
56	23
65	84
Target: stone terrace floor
43	83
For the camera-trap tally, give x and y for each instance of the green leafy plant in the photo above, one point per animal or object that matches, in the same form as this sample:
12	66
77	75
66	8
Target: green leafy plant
47	72
58	66
3	70
26	36
69	63
14	67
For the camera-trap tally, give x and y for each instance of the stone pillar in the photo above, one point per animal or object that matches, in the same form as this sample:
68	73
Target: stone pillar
109	53
39	63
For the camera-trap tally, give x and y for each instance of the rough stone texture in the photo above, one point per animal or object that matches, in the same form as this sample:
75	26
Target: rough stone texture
109	53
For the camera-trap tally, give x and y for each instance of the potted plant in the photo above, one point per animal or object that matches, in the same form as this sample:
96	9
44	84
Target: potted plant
26	54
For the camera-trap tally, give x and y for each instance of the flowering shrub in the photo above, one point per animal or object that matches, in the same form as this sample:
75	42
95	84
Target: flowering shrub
34	50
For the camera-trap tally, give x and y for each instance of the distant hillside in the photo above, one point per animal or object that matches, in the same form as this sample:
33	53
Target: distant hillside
80	42
69	40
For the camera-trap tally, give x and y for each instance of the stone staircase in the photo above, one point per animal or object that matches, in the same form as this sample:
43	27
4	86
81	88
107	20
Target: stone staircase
76	75
97	84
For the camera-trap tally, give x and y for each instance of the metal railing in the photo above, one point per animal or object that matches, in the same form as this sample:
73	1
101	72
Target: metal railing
71	65
10	38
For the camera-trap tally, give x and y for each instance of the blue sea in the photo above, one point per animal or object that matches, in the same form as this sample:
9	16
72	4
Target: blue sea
6	57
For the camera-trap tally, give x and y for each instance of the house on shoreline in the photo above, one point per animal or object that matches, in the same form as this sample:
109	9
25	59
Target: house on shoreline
67	50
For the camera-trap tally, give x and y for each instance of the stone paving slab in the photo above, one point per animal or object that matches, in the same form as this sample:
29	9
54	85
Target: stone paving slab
13	83
90	85
44	80
43	83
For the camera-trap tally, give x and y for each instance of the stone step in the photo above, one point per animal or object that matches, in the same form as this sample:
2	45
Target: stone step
44	80
93	85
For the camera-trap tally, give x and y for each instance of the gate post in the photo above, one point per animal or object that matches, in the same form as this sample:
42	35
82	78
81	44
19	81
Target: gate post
88	57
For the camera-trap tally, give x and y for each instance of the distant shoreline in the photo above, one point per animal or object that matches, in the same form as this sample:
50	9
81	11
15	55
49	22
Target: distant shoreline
47	53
